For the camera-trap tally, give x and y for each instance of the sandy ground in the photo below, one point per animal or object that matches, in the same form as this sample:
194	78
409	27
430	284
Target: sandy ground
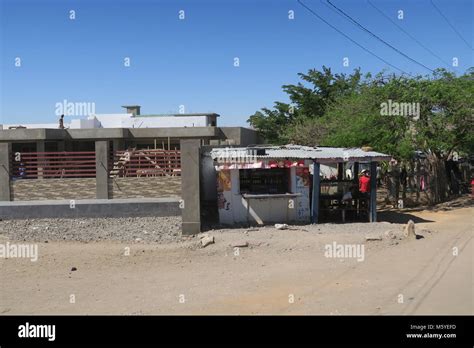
280	272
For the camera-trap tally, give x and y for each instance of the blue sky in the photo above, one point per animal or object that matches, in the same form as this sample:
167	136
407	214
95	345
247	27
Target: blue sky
190	62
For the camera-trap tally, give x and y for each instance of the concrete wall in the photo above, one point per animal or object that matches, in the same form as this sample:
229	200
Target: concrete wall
53	189
151	187
233	208
90	208
85	188
249	137
239	136
208	178
165	121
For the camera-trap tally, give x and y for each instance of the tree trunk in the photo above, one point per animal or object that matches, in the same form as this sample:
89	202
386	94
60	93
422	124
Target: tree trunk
438	180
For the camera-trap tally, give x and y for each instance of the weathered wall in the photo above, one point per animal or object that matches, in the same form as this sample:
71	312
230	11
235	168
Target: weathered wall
90	209
44	189
208	178
85	188
239	136
233	208
151	187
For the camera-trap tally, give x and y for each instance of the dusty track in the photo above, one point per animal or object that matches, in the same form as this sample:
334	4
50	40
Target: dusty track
278	266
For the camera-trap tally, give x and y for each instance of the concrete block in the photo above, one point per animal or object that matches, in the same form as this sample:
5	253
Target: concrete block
102	172
190	185
5	169
90	208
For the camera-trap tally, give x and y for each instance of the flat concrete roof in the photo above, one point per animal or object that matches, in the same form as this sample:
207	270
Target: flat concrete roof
178	115
174	132
17	135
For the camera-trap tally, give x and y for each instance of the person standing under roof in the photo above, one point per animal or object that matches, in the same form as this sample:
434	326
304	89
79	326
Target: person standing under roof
364	182
364	192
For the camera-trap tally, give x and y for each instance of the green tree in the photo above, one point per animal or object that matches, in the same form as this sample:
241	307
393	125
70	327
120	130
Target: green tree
308	100
346	111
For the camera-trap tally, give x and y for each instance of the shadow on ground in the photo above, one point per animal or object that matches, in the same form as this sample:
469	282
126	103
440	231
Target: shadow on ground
399	217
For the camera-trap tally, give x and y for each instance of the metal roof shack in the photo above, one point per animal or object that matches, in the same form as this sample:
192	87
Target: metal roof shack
319	154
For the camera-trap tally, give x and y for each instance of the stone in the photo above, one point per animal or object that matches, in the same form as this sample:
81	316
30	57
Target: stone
281	226
205	241
373	237
409	231
73	269
240	244
390	234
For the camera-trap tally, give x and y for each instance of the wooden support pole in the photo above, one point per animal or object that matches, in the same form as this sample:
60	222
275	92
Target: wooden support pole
340	171
315	194
356	172
373	191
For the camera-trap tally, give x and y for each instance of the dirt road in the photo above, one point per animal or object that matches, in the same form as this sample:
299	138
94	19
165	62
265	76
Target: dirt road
280	272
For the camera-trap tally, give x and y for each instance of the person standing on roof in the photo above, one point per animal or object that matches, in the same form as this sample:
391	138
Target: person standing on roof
61	122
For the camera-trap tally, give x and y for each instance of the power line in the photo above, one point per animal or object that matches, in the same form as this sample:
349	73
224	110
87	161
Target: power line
377	37
409	35
350	39
452	26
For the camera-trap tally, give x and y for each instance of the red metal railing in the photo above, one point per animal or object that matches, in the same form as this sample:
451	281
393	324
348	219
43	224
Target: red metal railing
146	163
48	165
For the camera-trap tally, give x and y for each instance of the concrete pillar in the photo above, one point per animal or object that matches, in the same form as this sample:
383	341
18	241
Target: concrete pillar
190	186
40	147
315	194
102	169
5	170
373	192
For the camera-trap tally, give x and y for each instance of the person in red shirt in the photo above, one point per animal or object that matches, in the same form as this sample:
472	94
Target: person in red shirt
364	181
364	192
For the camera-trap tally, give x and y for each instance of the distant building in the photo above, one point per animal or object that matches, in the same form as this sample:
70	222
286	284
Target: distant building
125	130
131	119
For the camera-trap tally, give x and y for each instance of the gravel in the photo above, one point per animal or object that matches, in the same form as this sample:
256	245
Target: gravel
138	229
163	230
360	228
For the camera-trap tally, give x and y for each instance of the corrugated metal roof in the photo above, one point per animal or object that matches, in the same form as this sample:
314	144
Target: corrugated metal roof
320	154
